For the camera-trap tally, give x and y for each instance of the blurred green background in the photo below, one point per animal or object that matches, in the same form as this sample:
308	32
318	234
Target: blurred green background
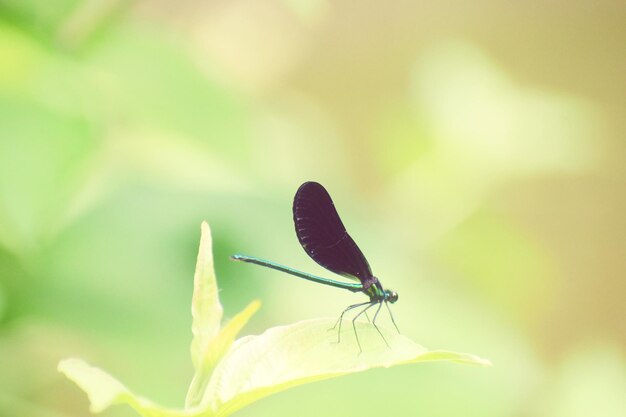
475	152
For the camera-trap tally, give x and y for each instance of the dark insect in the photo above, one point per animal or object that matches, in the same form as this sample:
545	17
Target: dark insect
325	239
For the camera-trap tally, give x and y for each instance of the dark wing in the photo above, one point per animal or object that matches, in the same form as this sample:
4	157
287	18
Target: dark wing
323	236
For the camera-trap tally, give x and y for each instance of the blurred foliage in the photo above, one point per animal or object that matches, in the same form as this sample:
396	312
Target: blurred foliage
475	153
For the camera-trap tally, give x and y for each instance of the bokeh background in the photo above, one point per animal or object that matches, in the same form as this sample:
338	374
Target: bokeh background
475	151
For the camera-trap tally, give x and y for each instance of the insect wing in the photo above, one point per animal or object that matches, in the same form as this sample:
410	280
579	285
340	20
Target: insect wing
323	235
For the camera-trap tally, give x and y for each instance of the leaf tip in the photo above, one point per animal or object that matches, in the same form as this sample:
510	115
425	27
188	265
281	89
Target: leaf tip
483	362
254	306
205	230
65	364
474	360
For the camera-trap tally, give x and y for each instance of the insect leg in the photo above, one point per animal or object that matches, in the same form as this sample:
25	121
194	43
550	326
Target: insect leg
367	317
380	304
392	319
340	319
354	324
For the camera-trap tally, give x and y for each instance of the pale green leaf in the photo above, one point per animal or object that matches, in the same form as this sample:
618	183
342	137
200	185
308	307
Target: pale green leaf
206	309
215	350
287	356
103	391
232	374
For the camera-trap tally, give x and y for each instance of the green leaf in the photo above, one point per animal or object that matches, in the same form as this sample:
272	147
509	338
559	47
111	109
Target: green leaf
206	309
215	351
103	390
230	375
288	356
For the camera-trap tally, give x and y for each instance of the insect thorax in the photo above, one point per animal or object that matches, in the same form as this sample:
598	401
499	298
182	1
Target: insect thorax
375	292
